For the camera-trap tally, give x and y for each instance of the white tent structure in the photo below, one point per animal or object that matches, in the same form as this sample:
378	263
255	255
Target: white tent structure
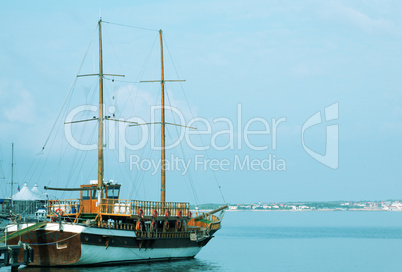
26	201
36	190
26	195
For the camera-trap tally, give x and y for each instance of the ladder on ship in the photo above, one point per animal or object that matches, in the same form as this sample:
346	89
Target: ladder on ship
22	232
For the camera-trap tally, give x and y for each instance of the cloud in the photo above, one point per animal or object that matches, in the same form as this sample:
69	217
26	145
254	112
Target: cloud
349	15
24	110
392	127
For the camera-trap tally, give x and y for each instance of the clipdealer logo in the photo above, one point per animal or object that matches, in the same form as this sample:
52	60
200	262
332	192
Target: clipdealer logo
331	156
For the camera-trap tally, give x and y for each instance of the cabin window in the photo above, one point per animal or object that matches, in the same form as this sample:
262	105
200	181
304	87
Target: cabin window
113	192
86	195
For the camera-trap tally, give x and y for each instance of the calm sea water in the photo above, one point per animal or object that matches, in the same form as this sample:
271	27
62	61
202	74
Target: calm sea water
290	241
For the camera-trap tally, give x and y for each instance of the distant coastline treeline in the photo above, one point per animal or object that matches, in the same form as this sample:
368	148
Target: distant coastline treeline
386	205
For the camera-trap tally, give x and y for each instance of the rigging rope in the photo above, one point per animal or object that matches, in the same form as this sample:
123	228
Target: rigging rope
140	75
129	26
182	151
188	104
64	106
62	240
69	92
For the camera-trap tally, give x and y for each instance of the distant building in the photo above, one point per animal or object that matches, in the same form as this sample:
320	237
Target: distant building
4	206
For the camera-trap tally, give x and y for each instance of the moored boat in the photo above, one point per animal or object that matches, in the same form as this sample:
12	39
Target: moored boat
101	228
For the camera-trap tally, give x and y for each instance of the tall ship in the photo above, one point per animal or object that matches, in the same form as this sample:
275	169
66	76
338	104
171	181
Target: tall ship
101	228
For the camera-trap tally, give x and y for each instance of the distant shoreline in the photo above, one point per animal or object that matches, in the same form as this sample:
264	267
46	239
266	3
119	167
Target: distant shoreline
304	210
317	210
387	205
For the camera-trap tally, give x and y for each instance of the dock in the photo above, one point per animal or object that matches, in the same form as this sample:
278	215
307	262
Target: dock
9	255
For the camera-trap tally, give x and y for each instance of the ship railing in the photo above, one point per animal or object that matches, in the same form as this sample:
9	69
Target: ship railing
66	206
205	220
176	234
143	208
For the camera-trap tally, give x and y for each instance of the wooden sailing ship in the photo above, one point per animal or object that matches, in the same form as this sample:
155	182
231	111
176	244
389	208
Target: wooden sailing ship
100	228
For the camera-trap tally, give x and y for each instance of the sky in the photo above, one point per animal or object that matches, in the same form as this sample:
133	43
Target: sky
293	101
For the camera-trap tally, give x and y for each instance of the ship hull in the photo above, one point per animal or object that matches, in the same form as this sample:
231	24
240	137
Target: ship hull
100	255
77	245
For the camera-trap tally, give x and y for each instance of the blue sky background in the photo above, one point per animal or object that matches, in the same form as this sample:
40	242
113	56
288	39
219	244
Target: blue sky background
277	59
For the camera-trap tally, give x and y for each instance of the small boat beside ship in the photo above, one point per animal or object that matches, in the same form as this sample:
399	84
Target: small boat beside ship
98	227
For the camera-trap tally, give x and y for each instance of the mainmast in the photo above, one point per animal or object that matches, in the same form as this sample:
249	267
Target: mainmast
163	174
100	131
163	123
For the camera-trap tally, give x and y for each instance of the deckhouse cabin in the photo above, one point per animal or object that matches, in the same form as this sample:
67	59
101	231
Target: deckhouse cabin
90	196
